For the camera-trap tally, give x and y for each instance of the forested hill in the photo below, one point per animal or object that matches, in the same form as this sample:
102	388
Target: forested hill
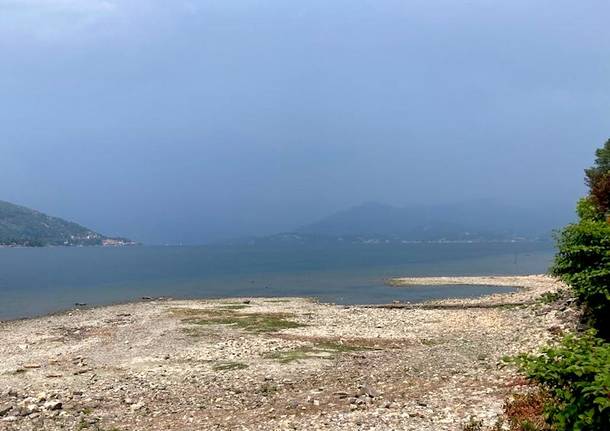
21	226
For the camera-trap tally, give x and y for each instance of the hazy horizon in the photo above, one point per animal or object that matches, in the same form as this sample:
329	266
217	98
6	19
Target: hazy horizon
192	121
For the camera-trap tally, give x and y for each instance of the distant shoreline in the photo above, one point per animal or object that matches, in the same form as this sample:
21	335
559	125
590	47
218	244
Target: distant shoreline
118	245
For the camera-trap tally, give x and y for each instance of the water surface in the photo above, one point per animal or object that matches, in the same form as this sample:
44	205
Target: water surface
35	281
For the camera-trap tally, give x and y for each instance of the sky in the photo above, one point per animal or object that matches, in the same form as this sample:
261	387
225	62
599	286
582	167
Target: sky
195	120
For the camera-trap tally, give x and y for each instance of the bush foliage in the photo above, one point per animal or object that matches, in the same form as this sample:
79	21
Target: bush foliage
583	262
576	375
583	258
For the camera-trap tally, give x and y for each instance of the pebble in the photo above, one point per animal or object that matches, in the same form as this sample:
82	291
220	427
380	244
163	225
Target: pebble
137	406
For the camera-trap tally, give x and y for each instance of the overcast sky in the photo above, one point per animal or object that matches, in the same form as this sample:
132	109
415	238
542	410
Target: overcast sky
170	121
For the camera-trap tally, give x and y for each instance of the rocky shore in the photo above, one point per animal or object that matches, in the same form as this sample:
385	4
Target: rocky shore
274	364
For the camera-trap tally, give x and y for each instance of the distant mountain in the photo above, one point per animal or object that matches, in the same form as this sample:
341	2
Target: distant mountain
21	226
477	220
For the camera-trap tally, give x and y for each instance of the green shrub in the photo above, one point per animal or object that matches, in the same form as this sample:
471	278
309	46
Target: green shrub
576	375
587	210
583	262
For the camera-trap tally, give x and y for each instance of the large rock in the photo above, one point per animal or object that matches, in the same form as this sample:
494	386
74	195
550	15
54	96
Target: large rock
5	408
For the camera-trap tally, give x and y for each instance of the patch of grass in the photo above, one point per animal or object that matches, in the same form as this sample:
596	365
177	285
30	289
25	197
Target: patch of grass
335	346
229	366
509	306
473	425
83	425
192	332
267	389
477	425
431	342
320	350
551	297
251	322
294	355
191	312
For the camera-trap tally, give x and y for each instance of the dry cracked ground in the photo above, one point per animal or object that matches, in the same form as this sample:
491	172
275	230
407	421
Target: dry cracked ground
272	364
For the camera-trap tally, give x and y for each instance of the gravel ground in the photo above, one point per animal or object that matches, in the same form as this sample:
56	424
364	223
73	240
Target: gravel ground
273	364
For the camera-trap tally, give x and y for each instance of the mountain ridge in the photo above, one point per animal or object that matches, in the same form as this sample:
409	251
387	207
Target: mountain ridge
23	226
483	219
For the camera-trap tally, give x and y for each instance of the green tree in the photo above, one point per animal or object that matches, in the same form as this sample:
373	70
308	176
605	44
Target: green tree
576	373
583	258
597	178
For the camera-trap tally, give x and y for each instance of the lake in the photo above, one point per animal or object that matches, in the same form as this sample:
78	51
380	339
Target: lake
36	281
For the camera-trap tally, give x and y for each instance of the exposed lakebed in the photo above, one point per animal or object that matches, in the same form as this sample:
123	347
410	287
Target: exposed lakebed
274	364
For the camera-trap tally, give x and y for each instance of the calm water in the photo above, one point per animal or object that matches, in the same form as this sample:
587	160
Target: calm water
40	281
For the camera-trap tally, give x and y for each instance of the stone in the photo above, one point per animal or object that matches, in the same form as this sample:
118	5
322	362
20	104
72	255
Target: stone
367	389
10	419
137	406
32	408
53	405
5	408
31	366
